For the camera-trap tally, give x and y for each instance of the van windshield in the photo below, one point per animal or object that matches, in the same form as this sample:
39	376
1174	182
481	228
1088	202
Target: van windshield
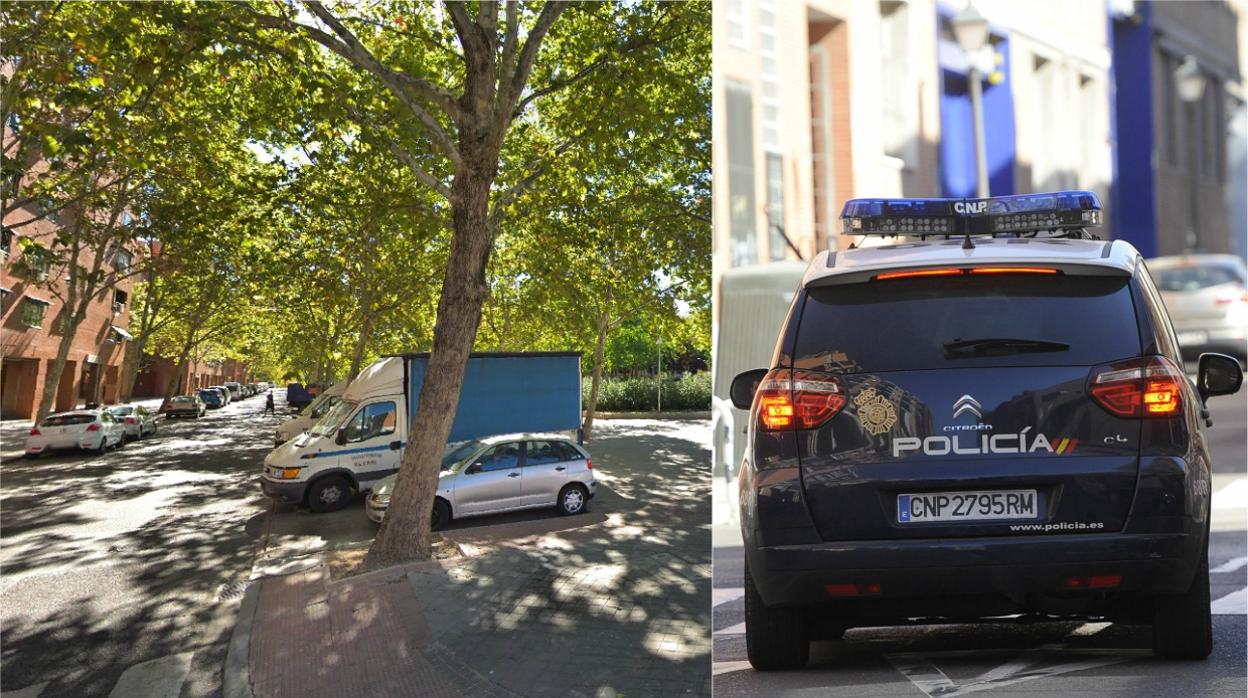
337	415
323	402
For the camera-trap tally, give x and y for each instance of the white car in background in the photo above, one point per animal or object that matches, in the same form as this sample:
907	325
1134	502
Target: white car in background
93	430
136	419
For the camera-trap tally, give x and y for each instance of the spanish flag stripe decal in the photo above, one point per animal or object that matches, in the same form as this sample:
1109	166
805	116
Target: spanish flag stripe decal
1070	448
1061	445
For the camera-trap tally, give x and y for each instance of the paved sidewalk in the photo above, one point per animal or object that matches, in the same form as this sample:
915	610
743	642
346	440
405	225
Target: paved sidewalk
617	607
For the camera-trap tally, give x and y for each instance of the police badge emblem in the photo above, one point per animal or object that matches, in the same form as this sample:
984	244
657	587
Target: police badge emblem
875	412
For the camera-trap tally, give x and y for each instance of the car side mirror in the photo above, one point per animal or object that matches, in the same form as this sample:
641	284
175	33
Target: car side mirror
744	386
473	469
341	437
1218	374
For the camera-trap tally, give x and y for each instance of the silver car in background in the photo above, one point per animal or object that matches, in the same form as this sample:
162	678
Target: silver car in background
1207	298
136	419
503	473
92	430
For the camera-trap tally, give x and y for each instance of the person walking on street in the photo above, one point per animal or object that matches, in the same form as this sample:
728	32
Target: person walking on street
268	404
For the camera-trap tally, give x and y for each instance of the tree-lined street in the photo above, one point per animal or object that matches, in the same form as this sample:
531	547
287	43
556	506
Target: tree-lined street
129	569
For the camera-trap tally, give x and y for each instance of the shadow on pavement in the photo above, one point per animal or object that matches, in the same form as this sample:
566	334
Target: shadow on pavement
109	560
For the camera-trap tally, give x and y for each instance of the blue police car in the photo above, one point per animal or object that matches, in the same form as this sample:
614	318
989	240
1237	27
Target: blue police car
980	412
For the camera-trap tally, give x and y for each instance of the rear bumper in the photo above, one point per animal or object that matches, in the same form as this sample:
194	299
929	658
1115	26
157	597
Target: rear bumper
289	492
1006	567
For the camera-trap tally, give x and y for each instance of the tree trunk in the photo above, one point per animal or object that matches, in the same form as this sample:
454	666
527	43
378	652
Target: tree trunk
53	379
405	531
129	371
588	427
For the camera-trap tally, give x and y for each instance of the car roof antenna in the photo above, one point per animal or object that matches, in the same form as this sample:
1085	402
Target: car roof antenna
966	228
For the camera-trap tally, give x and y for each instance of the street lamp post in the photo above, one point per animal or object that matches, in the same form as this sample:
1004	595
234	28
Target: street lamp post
1191	87
971	31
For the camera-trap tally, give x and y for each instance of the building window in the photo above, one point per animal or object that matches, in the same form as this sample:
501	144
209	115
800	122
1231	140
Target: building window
775	207
119	301
741	205
6	242
121	261
33	312
736	23
1170	104
900	123
34	263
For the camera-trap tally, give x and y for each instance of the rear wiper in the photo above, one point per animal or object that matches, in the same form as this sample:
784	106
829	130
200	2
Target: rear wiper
960	348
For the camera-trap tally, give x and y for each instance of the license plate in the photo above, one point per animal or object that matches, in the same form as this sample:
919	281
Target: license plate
1193	338
966	506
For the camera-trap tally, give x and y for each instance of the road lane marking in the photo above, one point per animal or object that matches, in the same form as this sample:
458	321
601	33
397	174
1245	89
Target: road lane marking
728	667
1233	496
721	596
930	679
1233	604
1230	566
738	629
155	678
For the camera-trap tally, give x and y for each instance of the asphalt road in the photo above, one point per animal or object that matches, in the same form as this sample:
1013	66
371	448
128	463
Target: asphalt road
1092	659
122	574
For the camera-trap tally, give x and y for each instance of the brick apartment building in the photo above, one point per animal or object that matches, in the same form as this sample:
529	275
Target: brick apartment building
155	372
30	315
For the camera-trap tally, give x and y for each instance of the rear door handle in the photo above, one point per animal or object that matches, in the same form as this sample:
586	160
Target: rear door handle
560	469
513	474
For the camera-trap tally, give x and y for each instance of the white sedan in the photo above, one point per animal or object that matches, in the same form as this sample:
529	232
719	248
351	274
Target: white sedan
136	419
93	430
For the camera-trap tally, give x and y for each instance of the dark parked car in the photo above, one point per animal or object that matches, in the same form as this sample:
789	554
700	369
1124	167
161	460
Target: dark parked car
952	430
212	397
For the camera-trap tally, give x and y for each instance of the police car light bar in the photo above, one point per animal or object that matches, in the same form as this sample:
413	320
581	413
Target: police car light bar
1063	210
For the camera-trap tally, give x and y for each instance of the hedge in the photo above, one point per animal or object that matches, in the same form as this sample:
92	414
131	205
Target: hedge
692	392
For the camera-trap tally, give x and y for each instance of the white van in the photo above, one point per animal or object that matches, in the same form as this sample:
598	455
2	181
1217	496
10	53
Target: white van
311	414
360	439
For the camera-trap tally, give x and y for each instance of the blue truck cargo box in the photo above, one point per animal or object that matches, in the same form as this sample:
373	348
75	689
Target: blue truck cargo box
505	393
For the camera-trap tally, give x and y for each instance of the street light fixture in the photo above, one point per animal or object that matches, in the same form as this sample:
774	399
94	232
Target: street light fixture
971	31
1190	84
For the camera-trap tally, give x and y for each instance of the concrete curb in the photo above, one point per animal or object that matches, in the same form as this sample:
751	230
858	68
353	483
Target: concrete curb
236	675
653	415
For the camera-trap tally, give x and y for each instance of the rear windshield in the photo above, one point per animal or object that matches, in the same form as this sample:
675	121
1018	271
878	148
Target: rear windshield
184	398
1193	278
64	420
904	324
121	410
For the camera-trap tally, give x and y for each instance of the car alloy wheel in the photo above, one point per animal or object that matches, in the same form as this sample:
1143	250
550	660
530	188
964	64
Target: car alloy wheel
571	500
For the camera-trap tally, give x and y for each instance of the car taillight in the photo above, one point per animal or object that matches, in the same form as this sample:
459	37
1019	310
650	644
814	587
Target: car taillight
1228	297
589	463
93	426
964	271
789	399
129	420
34	431
1150	386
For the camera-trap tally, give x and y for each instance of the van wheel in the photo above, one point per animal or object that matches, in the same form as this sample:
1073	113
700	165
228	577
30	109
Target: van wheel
1182	623
775	638
572	500
441	514
329	494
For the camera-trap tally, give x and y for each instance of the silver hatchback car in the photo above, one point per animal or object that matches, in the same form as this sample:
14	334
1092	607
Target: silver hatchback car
1207	298
503	473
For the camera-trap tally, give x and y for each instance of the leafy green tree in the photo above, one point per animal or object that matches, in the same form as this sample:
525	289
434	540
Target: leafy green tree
463	79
